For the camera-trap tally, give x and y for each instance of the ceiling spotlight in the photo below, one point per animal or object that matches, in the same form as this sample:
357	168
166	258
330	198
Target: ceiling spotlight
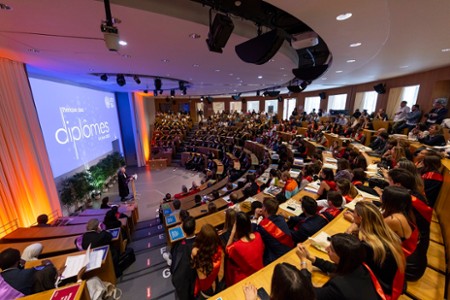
145	91
172	93
155	92
343	17
258	93
123	43
120	80
202	98
136	79
184	91
104	77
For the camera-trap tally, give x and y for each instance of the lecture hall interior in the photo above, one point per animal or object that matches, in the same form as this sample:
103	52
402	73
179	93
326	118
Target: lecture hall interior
90	85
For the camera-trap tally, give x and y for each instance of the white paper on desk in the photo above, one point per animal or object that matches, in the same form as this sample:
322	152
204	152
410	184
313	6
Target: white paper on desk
330	159
292	206
330	166
91	259
226	198
368	196
320	241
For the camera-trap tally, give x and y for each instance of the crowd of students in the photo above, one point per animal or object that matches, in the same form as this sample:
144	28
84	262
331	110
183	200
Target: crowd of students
385	245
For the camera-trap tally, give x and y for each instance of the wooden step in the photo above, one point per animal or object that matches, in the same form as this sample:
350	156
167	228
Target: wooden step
436	257
430	286
435	233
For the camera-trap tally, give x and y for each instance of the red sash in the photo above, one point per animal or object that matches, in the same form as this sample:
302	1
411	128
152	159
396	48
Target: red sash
206	283
423	209
433	176
376	283
348	199
410	244
277	233
357	182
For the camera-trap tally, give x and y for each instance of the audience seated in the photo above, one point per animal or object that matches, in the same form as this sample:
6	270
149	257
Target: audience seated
435	136
432	177
287	283
347	189
274	231
244	249
327	183
32	252
42	221
16	281
309	222
350	279
208	259
385	256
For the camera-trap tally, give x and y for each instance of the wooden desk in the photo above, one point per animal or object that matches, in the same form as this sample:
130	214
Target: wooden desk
236	162
220	167
377	124
368	133
263	277
331	137
22	234
105	272
82	293
51	247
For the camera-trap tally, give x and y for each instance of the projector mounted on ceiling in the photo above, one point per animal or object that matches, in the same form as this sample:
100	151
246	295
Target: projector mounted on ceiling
110	32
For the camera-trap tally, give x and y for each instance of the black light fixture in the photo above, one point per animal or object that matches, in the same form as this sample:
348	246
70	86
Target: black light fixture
136	79
280	99
209	99
145	91
323	95
104	77
121	80
158	84
380	88
271	93
258	93
172	93
155	92
181	85
184	91
202	98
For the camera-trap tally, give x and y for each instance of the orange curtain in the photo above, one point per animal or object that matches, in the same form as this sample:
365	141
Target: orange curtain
27	188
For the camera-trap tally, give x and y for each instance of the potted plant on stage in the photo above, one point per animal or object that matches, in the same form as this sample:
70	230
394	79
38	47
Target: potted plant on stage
97	178
67	194
82	187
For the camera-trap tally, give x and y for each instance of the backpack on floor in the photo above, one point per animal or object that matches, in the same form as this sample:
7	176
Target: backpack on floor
126	259
102	290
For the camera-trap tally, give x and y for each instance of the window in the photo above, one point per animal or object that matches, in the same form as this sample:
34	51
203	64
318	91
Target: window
253	105
366	101
235	106
397	95
271	107
218	107
289	105
336	102
311	103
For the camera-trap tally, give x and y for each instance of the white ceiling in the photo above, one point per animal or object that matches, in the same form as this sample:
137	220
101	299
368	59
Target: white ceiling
398	37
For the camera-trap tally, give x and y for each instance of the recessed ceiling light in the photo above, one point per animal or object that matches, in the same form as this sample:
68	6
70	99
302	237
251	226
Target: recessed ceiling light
196	65
272	60
126	56
284	75
165	60
324	78
281	68
238	78
237	3
355	45
404	67
123	43
194	36
446	50
32	50
217	70
260	77
4	6
91	70
339	71
351	60
231	74
343	17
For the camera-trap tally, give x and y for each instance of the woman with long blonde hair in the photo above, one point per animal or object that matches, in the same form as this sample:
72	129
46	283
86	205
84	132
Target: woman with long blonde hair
384	251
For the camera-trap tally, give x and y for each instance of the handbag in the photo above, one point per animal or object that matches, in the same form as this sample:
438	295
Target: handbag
102	290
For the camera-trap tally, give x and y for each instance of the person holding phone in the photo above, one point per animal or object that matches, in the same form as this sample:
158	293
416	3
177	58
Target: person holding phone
351	278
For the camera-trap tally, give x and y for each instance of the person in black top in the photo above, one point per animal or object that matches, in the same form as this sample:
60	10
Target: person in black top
309	222
351	280
183	276
123	180
95	236
435	138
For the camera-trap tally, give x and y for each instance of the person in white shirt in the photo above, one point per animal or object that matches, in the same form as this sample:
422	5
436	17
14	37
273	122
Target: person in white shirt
400	115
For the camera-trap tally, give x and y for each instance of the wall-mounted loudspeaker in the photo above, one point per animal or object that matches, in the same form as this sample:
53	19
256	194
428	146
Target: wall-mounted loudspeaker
261	48
219	33
323	96
309	73
380	88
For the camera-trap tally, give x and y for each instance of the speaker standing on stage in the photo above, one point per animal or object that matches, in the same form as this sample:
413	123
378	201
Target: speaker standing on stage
123	179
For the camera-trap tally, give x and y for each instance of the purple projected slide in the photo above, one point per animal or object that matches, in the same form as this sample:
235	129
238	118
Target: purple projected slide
79	124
